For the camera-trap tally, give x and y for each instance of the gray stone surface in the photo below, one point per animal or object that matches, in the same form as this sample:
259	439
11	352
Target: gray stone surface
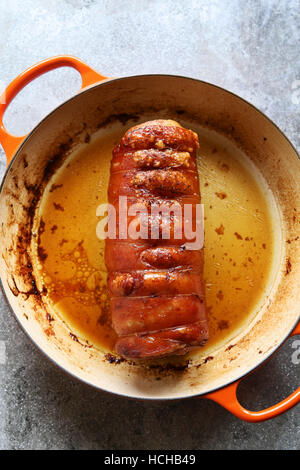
248	46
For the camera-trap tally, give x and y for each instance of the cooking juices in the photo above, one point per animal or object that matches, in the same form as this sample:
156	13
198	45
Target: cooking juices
69	258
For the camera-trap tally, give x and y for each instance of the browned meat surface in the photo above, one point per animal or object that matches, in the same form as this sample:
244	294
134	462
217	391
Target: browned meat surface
156	285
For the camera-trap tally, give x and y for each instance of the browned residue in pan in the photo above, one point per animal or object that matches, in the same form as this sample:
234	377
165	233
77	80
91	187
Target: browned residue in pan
20	248
288	266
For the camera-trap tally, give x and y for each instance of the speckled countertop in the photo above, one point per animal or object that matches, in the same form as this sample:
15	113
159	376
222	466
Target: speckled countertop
250	47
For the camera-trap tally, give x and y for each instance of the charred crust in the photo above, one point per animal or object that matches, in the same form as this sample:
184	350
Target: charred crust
42	253
114	359
288	266
25	162
207	359
49	318
54	187
75	338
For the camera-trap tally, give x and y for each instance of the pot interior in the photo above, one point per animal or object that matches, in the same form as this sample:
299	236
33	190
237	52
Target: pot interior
228	127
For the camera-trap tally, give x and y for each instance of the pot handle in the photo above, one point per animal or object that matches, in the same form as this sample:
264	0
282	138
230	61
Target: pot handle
11	143
227	398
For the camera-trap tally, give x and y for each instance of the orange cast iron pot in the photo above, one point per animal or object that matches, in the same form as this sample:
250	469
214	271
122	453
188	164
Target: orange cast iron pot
99	100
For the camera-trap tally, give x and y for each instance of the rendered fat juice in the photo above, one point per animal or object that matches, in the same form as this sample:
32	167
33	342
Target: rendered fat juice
69	257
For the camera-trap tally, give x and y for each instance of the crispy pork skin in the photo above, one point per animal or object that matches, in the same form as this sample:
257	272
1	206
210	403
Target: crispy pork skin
155	284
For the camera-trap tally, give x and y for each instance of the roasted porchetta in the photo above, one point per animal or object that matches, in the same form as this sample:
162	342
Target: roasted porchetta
156	285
